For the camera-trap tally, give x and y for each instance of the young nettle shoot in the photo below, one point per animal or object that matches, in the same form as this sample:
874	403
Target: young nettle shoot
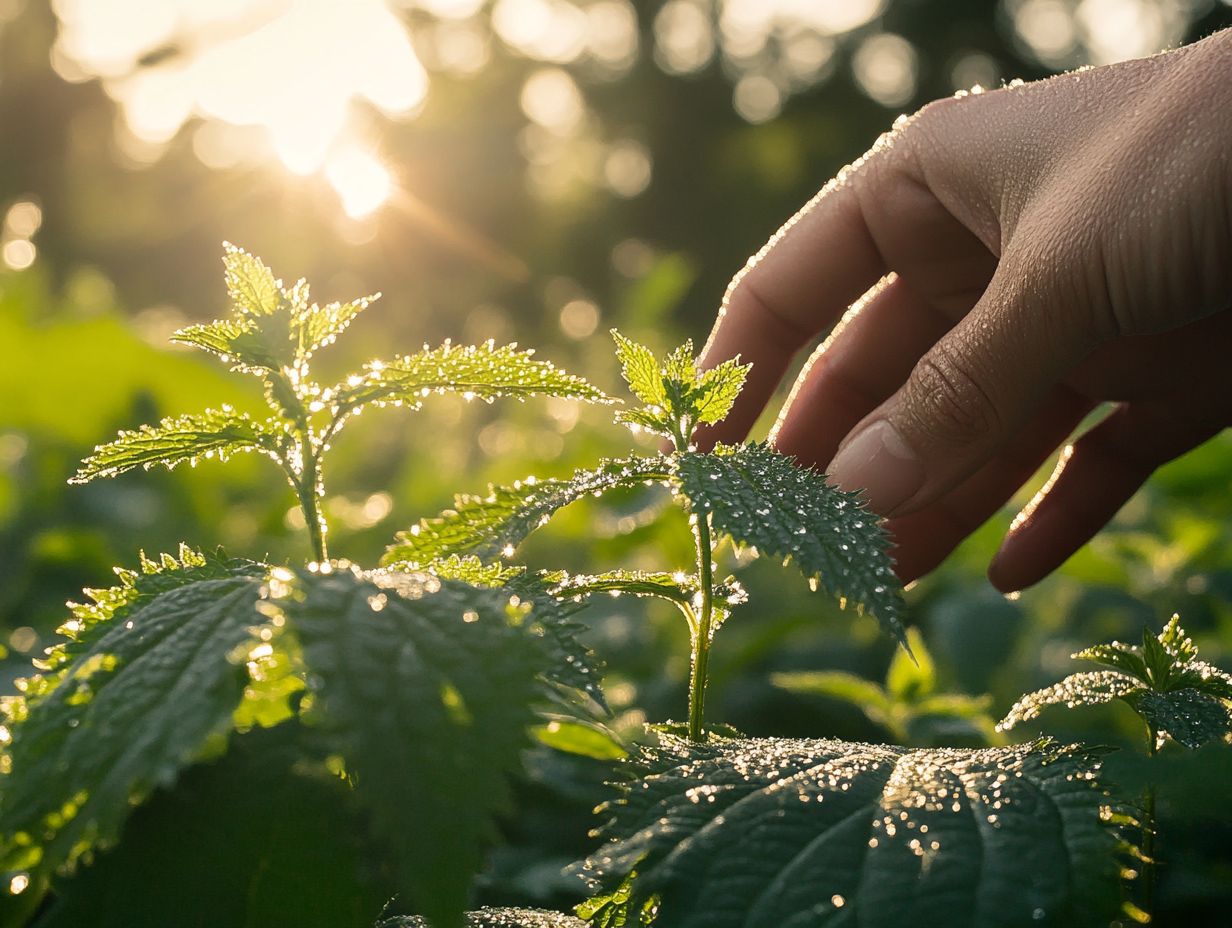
1177	696
426	689
750	494
273	332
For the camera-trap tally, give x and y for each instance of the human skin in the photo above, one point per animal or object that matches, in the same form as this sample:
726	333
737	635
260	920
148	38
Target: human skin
1025	256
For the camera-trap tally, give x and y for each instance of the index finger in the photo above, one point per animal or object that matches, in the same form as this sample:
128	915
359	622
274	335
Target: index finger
795	287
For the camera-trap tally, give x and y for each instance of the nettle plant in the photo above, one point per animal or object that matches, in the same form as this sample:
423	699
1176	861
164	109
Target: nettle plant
711	828
1179	698
421	682
423	688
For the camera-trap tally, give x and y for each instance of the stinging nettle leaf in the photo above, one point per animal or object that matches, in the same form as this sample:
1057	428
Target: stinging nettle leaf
144	680
1177	695
717	390
253	289
806	833
640	369
494	525
1089	688
762	499
214	433
483	372
427	687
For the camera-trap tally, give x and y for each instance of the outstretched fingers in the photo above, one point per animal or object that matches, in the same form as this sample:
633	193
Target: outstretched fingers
1094	478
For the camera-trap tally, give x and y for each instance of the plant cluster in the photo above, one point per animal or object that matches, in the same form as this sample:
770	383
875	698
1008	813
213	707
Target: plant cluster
419	683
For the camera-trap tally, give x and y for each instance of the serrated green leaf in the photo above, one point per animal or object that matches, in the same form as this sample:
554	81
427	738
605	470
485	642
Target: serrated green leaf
483	372
215	433
494	525
643	420
761	499
717	390
570	663
640	369
1118	656
427	688
804	833
1187	716
1089	688
318	326
253	289
677	587
680	365
144	680
497	918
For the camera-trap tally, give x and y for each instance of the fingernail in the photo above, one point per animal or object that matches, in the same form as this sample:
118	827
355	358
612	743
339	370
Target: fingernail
879	462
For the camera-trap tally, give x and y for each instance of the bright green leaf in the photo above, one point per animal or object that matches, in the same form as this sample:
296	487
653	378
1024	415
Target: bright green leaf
215	433
837	684
494	525
640	369
911	680
253	289
717	390
475	371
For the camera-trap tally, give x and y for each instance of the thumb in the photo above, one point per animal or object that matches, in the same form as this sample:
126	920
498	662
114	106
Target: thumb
965	398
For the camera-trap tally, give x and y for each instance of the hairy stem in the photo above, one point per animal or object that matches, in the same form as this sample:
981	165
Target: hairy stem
701	633
1148	837
308	489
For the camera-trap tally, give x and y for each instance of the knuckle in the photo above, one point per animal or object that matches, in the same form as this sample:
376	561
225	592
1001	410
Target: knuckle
947	401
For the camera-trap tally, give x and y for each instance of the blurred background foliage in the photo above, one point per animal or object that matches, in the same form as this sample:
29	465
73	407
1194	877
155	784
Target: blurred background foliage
530	170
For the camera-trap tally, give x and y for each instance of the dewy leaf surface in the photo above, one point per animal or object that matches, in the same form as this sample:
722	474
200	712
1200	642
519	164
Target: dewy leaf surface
213	433
497	918
760	498
476	371
145	679
427	688
1176	694
493	525
806	833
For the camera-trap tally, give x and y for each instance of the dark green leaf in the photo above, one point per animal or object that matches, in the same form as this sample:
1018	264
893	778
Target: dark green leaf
761	499
492	526
427	686
1189	717
147	676
483	372
800	833
211	434
260	838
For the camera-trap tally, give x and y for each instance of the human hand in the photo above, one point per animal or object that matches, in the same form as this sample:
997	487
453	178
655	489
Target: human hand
1050	247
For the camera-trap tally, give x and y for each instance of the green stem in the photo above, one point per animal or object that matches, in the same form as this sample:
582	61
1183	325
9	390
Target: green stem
1148	838
701	634
308	490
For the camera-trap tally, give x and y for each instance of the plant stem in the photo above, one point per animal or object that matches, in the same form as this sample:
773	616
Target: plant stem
309	501
701	634
1148	838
